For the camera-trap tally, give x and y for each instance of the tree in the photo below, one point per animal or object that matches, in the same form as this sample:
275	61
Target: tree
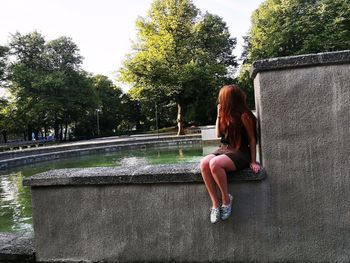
8	121
117	112
66	89
24	73
177	54
109	104
3	128
3	101
3	61
294	27
147	101
50	88
131	114
284	28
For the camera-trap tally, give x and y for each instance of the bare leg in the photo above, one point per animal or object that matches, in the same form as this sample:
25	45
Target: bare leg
219	165
209	180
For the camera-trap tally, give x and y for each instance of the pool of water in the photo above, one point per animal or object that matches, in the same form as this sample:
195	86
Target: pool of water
15	200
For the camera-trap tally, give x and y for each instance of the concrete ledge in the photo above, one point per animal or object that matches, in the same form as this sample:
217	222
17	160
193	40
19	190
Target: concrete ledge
16	247
148	174
326	58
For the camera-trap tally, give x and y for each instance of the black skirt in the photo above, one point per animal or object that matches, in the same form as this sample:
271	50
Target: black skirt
240	157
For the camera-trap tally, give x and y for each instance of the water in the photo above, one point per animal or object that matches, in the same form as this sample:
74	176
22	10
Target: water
15	200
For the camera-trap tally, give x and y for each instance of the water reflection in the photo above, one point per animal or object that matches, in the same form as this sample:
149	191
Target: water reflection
133	161
15	204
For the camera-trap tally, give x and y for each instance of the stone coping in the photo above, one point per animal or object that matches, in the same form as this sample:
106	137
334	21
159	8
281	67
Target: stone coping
22	159
95	143
147	174
208	127
339	57
17	247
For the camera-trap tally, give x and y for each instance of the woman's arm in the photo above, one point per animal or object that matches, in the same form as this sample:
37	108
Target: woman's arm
249	126
217	124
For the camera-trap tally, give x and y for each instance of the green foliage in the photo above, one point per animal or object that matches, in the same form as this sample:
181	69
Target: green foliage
7	117
148	102
294	27
3	61
51	92
3	113
108	105
245	82
49	88
132	116
179	55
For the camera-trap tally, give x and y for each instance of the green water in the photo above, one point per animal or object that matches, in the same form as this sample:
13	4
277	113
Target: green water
15	200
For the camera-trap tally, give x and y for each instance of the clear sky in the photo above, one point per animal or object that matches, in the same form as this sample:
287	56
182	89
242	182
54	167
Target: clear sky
103	29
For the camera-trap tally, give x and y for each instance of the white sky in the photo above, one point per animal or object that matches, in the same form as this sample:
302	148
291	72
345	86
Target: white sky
103	29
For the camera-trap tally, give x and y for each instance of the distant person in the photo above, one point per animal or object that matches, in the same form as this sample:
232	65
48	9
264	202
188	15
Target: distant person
236	125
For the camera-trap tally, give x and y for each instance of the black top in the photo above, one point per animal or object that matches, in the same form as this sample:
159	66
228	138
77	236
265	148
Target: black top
244	139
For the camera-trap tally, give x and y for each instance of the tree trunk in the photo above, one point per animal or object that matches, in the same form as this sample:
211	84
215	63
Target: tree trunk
4	134
56	128
45	131
36	133
29	132
180	120
61	132
65	131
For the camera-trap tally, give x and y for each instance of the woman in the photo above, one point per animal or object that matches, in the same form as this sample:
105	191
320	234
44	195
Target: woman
236	125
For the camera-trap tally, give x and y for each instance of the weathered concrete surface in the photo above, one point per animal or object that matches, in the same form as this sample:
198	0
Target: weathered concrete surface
103	214
304	115
151	223
16	158
208	133
147	174
309	60
16	247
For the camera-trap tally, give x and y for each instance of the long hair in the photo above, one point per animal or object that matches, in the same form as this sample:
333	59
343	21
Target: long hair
233	103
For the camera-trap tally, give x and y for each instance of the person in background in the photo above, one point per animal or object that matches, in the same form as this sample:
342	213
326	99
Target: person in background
236	125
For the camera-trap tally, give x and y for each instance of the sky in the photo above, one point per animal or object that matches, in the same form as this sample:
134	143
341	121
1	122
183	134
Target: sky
104	29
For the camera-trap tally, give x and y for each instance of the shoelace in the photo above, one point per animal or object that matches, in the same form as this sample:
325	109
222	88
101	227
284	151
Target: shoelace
215	209
227	206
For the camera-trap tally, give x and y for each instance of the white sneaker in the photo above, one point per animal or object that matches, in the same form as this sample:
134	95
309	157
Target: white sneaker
226	209
214	215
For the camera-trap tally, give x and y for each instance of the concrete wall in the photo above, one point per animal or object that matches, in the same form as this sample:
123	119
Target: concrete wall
143	214
303	105
150	223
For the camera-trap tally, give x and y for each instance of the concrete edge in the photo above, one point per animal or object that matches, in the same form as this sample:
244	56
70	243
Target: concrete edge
148	174
326	58
41	157
17	247
93	144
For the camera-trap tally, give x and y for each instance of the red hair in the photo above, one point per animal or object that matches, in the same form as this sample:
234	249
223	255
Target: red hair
233	103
